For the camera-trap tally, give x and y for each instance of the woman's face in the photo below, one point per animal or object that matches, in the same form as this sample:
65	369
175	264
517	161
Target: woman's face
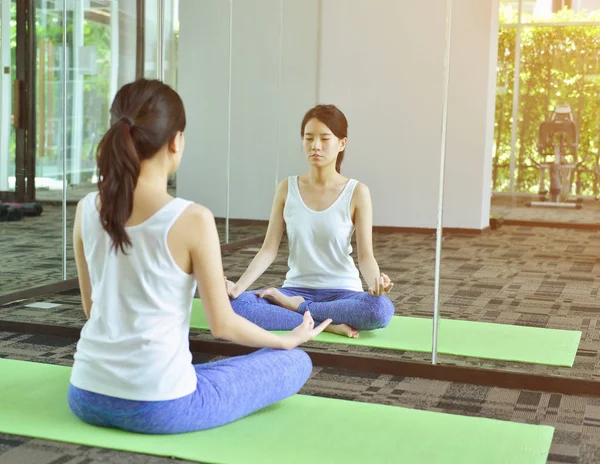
320	146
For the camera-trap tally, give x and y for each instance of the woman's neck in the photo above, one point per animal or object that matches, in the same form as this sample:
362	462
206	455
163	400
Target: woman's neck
322	176
153	177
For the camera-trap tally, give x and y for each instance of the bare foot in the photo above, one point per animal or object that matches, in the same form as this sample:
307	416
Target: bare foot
342	329
272	295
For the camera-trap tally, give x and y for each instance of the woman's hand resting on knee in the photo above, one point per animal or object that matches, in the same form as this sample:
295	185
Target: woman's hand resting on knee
232	289
305	332
383	285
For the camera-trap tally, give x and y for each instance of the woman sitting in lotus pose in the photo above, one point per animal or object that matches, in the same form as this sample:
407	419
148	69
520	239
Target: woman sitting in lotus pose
320	210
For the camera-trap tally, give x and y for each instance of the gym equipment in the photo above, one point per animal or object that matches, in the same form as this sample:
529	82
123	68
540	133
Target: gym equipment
463	338
558	138
28	209
10	213
300	429
496	222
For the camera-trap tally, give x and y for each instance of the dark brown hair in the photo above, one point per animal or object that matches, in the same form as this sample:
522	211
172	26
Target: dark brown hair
145	115
333	118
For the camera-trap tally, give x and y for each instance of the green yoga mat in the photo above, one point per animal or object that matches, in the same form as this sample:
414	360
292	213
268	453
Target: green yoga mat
301	429
462	338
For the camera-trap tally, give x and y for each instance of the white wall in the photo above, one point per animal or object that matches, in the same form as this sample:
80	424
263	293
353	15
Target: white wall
262	104
300	79
381	62
203	85
471	112
267	109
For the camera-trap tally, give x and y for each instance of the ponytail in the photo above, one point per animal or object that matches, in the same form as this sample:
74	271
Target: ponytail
119	167
340	160
145	115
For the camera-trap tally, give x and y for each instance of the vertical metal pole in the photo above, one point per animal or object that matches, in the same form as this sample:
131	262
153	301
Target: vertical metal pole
64	136
5	95
77	92
160	45
516	89
30	96
228	175
440	215
114	49
279	85
140	38
318	52
20	103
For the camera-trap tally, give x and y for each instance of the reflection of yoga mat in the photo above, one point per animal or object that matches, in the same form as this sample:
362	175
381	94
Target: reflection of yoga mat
301	429
463	338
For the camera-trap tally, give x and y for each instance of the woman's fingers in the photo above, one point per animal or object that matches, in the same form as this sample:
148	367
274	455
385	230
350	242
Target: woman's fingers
321	327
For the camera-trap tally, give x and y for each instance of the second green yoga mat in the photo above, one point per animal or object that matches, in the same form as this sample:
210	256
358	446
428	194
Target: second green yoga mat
463	338
299	430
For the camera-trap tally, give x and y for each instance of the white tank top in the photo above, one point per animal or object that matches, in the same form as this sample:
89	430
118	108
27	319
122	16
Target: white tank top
320	242
136	343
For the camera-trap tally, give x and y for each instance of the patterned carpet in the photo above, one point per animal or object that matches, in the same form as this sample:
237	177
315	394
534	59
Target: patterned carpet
32	249
537	277
527	276
577	420
518	275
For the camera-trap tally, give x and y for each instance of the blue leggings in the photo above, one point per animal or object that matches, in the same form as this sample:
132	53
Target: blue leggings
227	390
359	310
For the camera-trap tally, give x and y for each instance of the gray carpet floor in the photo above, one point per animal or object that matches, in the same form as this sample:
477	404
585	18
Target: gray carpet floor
523	276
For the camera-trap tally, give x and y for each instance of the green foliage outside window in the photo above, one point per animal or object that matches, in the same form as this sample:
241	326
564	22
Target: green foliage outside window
559	65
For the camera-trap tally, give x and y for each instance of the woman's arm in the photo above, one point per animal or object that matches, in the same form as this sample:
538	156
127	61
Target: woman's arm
377	282
83	274
205	252
270	247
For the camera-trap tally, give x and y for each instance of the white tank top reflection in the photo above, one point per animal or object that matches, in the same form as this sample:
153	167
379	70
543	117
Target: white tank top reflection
320	242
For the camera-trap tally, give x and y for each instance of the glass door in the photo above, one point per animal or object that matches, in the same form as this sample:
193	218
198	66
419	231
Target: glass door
15	120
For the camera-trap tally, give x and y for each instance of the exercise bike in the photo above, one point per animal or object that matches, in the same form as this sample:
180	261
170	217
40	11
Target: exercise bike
558	140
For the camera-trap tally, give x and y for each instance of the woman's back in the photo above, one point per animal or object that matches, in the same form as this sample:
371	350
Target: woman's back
140	255
135	345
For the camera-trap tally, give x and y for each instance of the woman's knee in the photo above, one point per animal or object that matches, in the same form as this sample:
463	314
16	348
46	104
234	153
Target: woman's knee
300	363
248	296
244	301
298	367
305	365
381	311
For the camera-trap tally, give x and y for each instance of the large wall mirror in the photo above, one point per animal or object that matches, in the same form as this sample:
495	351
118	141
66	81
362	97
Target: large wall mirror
430	98
526	167
249	72
66	60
